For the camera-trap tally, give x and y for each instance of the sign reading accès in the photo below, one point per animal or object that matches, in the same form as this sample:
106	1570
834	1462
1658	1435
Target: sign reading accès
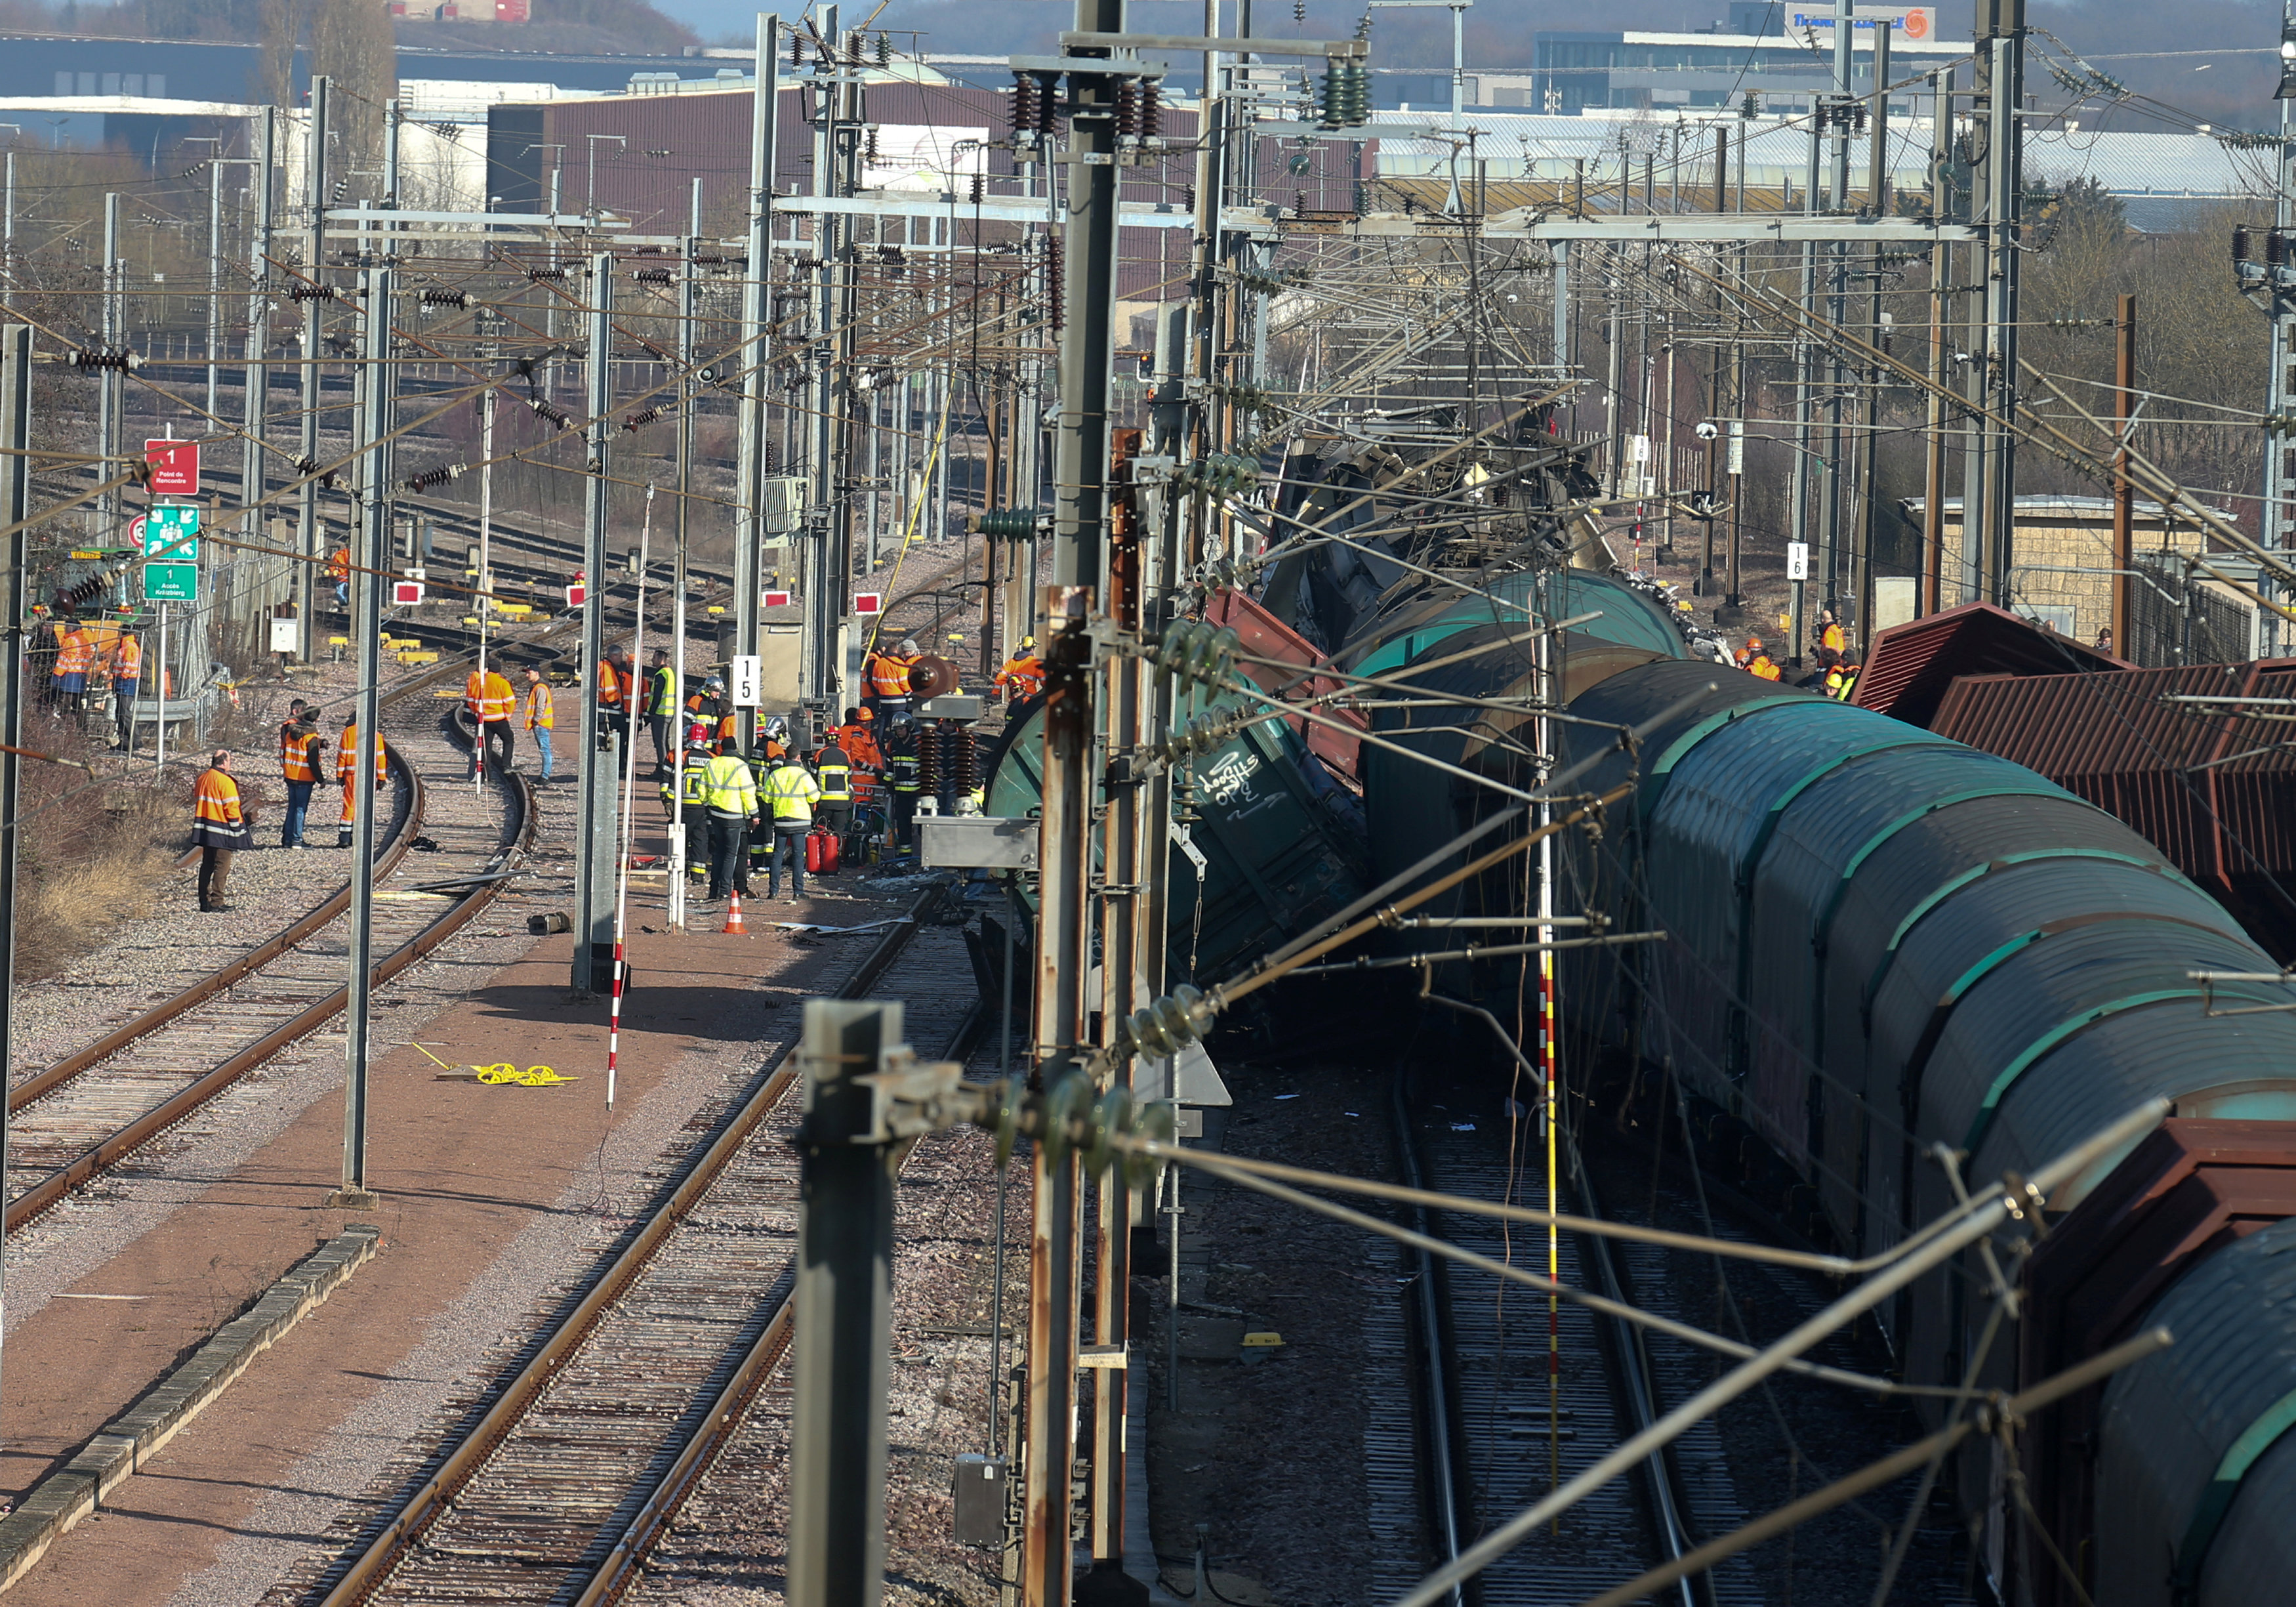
171	582
868	602
175	467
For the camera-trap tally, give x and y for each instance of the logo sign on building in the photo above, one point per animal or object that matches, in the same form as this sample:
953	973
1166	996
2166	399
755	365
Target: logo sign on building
1908	24
171	531
1797	560
778	599
868	602
175	467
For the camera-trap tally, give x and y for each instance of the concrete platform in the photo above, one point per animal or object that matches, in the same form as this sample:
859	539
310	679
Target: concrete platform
471	1178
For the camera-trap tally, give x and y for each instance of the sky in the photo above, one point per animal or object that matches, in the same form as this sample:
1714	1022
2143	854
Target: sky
2162	48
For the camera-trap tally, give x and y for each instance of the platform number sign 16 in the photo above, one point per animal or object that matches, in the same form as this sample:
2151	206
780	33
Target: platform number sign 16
1797	560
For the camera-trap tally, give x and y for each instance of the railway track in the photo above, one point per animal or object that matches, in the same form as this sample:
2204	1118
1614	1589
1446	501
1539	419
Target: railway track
1511	1427
75	1119
555	1485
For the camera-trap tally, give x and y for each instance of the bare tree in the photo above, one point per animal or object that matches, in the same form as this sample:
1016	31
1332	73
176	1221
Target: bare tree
351	44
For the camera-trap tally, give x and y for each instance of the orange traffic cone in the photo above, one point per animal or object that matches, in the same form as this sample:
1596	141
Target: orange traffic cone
734	916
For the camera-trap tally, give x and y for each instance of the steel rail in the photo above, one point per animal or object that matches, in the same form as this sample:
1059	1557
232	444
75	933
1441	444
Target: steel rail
619	1570
368	1568
231	974
226	976
46	1194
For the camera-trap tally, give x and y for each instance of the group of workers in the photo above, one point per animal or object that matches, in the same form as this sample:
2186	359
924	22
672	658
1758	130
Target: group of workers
220	823
1836	674
95	660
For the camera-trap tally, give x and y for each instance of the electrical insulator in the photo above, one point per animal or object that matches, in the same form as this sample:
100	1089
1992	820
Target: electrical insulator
550	411
2276	250
773	458
980	186
538	275
1055	283
869	146
302	292
429	478
446	298
1151	109
884	50
1006	524
1128	109
929	761
118	357
654	276
797	51
640	420
1024	104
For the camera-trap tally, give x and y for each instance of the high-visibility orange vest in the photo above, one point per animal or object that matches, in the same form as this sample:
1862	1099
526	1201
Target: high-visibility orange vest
1763	668
1025	675
541	708
338	566
609	687
128	660
295	756
1831	637
490	698
889	675
74	656
216	801
347	759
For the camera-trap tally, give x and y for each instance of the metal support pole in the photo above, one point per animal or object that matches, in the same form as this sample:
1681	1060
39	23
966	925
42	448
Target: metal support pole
373	476
842	1365
600	759
751	360
215	273
2004	186
689	292
253	471
15	599
2124	489
1942	263
308	388
107	394
8	235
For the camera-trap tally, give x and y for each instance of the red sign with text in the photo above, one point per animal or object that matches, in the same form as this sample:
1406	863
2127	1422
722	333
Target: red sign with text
175	467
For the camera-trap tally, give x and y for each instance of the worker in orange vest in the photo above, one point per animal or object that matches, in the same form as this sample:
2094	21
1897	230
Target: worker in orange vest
302	754
541	715
618	690
492	703
218	828
339	573
1829	632
1758	660
75	658
126	678
1023	674
347	772
889	679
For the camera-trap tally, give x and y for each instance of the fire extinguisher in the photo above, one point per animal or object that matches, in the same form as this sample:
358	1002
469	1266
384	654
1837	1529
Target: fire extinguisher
813	856
829	853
